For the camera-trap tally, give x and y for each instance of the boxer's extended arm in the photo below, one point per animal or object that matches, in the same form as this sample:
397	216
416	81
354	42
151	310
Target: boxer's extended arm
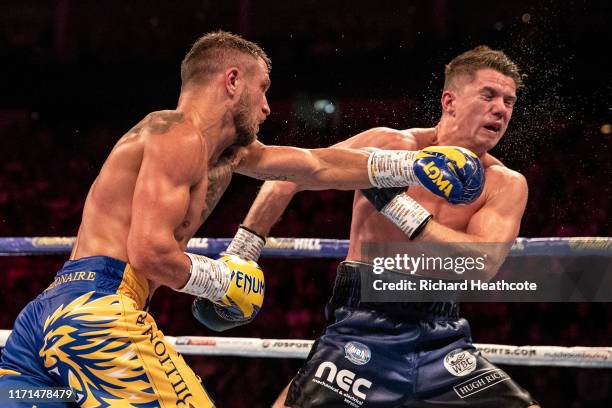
275	196
335	167
314	169
170	166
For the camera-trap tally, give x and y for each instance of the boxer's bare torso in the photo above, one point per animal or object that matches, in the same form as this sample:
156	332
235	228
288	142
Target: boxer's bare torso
368	225
107	214
164	177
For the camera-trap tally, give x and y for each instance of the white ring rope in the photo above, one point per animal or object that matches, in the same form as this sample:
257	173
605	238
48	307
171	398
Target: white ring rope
552	356
587	357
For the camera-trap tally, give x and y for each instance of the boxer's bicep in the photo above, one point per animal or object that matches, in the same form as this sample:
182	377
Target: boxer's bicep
162	193
499	219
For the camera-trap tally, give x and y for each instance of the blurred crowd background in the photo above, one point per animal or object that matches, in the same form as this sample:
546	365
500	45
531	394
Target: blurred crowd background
77	74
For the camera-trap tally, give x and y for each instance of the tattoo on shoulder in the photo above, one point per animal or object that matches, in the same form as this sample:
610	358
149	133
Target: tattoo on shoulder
162	121
135	130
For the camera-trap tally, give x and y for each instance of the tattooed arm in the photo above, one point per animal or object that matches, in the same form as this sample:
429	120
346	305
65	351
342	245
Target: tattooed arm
219	178
314	169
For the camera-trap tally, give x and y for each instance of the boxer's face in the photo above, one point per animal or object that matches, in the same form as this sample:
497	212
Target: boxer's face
252	108
481	109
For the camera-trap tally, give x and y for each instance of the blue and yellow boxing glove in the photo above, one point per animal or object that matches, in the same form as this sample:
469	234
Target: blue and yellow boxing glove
232	288
240	303
451	172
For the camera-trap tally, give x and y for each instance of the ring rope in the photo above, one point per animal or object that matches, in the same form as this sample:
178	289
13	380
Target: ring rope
316	247
587	357
584	357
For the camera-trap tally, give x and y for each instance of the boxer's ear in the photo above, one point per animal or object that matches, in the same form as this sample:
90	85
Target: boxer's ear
231	80
448	102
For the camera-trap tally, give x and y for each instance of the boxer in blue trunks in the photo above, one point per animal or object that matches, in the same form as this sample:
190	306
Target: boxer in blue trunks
90	329
416	354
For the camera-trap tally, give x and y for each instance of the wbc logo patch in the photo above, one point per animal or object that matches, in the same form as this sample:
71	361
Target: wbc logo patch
459	362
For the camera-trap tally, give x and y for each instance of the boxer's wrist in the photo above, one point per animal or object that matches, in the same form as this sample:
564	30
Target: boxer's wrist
392	168
247	244
379	197
407	214
208	278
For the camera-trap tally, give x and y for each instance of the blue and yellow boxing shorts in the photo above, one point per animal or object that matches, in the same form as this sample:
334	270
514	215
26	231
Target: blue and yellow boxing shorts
89	331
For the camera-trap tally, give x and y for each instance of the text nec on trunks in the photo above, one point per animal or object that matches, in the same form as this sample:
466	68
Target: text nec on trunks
344	378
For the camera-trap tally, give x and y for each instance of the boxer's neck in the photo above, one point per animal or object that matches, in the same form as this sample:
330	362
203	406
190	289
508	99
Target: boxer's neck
212	114
449	133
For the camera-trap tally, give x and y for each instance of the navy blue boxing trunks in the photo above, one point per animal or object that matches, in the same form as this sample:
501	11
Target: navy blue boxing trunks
89	333
384	355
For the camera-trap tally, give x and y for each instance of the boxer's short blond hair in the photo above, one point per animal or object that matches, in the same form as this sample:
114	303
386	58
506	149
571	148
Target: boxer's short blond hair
215	51
481	57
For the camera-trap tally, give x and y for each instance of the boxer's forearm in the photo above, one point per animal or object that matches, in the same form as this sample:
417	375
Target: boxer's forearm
337	168
436	232
166	265
456	243
271	202
493	229
316	169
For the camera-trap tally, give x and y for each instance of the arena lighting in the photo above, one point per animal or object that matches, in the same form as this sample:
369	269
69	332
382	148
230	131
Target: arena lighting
325	105
606	128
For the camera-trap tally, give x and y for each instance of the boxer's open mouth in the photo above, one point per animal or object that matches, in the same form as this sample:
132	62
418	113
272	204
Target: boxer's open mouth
493	127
